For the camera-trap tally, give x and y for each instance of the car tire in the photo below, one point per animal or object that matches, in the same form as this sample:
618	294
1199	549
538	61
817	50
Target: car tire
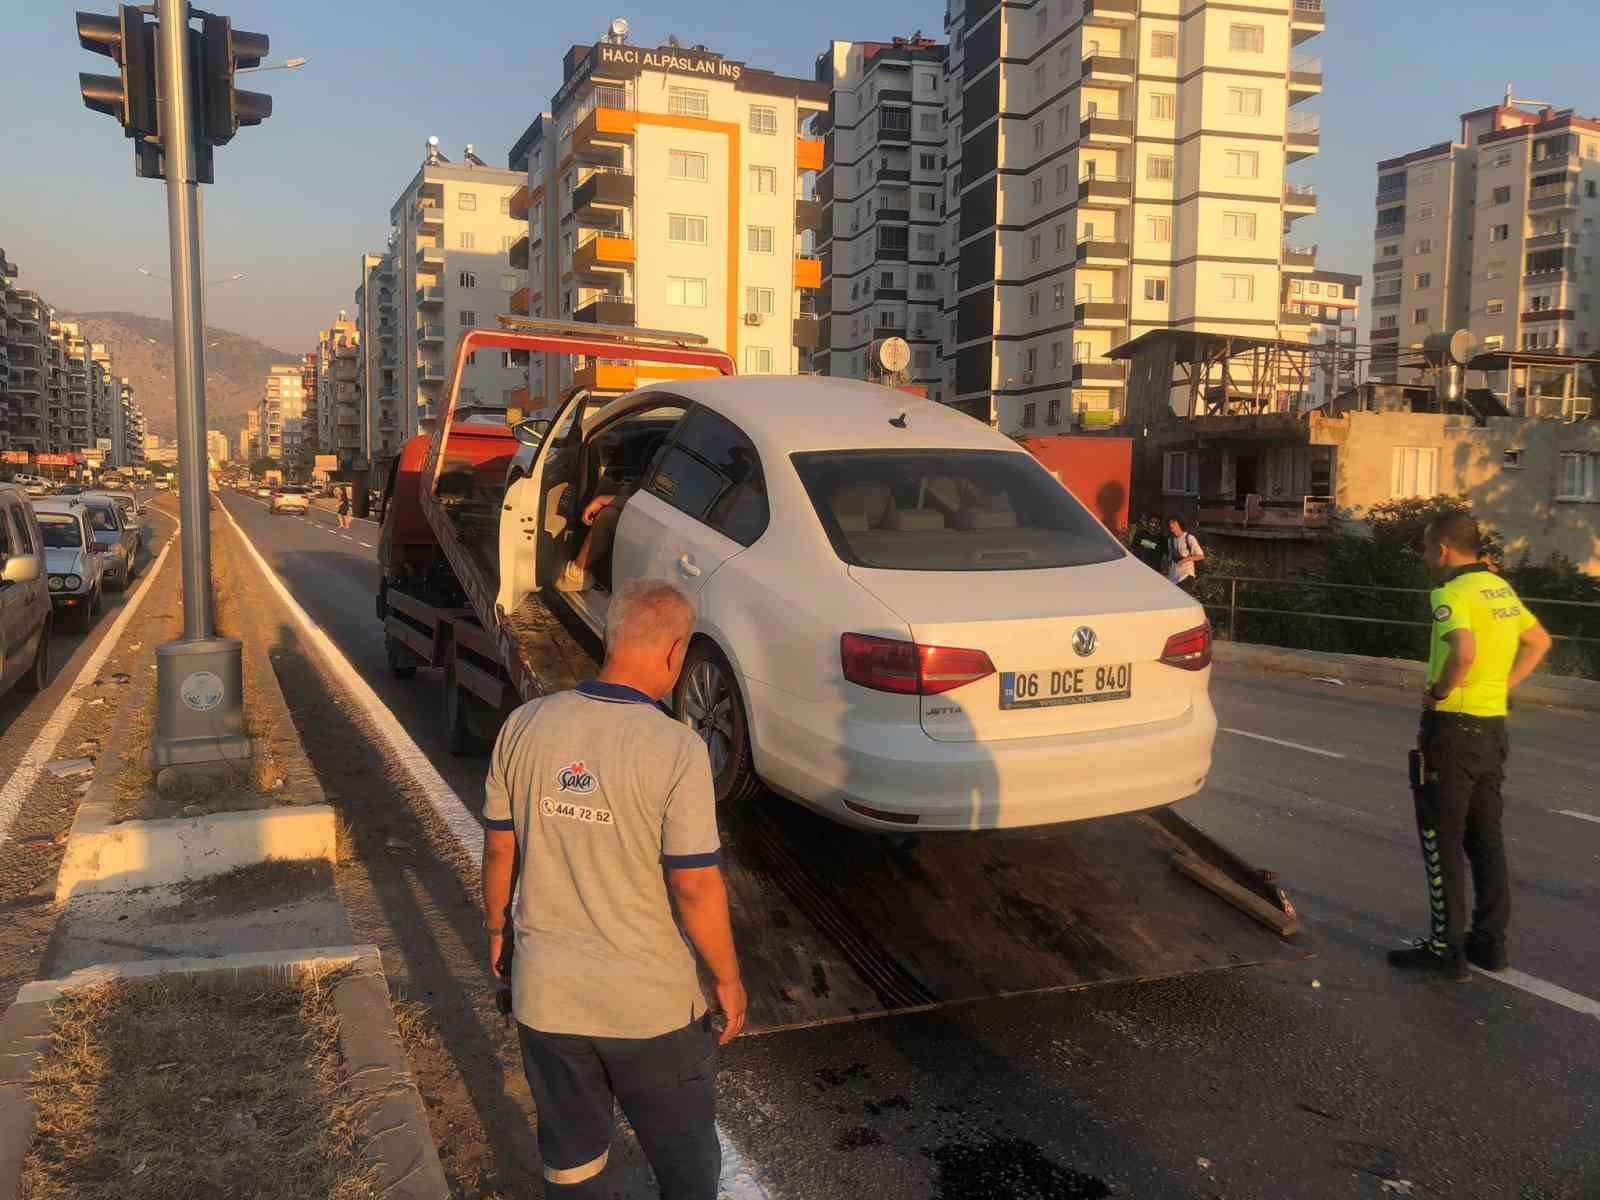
38	675
83	619
401	663
707	699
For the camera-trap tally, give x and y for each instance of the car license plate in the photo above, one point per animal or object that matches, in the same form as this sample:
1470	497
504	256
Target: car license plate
1069	685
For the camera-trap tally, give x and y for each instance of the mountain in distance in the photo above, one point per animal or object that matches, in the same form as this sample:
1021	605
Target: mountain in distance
141	349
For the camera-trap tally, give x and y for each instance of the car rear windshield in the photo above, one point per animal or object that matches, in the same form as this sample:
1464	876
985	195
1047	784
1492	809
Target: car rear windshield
101	519
61	532
950	510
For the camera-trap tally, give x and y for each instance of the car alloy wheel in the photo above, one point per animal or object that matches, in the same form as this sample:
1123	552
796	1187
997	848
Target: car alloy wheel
707	699
708	710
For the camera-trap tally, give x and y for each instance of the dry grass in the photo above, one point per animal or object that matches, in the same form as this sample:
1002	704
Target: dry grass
169	1088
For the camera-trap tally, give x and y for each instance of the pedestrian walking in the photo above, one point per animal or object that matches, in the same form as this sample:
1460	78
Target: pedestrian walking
1484	644
344	508
1183	552
603	807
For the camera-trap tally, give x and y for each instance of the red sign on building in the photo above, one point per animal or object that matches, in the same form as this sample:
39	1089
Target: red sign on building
19	457
57	460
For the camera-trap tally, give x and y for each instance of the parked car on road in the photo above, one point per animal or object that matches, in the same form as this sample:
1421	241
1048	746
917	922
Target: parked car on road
24	596
162	484
33	485
263	492
290	498
904	621
74	566
117	541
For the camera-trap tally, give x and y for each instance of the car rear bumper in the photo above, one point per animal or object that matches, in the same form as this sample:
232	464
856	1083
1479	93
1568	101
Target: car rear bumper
898	771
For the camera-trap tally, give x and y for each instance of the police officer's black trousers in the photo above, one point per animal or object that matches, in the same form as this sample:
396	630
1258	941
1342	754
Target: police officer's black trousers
1459	810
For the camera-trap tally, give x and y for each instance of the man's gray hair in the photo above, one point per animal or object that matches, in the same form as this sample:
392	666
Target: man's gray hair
648	610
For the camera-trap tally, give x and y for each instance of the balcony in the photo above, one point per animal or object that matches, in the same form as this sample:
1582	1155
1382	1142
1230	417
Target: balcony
520	203
808	270
430	335
1103	11
602	195
1299	201
602	253
1108	68
1105	189
807	333
1306	20
1563	239
1299	258
425	297
894	174
1101	314
430	260
1107	132
606	375
1290	513
517	256
606	310
1102	252
430	373
1290	317
430	216
1553	195
1102	371
1305	79
1548	314
808	154
1305	137
519	302
808	216
608	128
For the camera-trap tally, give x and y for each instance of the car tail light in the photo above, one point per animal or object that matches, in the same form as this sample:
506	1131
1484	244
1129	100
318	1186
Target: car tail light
1189	650
887	665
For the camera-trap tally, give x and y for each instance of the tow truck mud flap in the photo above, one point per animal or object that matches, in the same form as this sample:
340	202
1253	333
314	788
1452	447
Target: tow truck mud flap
835	925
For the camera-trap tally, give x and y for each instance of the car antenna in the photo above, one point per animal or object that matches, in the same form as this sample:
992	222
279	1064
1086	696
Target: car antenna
899	419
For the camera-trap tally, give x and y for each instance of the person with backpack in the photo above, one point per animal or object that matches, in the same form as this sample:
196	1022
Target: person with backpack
1183	552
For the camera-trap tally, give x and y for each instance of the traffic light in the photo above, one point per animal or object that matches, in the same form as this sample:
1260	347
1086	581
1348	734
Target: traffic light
130	97
224	108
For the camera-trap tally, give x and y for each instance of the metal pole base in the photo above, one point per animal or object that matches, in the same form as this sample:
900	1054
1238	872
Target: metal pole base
199	704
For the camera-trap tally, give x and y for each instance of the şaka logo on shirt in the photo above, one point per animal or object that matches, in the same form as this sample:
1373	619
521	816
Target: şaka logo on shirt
575	777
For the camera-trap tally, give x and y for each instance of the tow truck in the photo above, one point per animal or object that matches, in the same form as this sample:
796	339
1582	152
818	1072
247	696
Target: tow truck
832	924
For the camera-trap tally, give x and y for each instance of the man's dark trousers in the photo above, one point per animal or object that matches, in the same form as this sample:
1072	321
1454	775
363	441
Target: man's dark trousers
1459	808
664	1085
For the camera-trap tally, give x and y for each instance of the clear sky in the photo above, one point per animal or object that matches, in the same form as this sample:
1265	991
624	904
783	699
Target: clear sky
299	198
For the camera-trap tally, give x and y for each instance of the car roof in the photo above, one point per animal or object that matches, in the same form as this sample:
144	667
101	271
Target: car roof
789	413
69	507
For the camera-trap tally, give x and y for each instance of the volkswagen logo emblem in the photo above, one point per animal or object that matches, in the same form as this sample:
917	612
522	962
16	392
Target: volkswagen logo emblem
1084	641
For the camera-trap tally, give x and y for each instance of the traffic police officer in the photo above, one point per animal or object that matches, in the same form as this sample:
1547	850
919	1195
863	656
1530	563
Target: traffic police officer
1484	644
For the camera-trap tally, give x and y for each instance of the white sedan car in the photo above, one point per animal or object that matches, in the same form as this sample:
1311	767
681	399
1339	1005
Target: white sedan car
904	621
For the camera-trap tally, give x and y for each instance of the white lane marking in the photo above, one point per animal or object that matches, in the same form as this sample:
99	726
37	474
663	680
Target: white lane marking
738	1180
1261	737
368	545
1567	812
23	779
347	537
1545	991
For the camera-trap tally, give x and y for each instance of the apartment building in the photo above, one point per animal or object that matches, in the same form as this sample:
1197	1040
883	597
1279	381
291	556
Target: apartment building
883	207
28	353
452	229
216	446
131	452
67	399
280	416
1328	305
250	437
1490	232
671	188
338	368
383	430
1115	167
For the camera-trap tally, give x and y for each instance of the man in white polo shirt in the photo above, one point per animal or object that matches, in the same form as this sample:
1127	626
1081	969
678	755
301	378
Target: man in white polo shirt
603	806
1183	551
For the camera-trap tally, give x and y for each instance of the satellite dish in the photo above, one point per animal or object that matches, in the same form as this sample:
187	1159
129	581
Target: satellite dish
894	354
434	142
619	28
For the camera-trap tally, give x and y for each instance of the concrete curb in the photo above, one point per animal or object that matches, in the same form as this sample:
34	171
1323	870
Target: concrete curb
1558	691
388	1104
105	855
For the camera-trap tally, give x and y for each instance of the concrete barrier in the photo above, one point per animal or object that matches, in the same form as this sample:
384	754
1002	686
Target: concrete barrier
1558	691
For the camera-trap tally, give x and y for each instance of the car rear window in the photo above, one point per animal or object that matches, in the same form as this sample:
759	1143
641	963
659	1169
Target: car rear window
950	510
61	532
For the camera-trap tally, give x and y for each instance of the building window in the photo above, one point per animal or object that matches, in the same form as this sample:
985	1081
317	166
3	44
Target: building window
467	201
929	122
764	181
1057	354
684	292
1239	288
505	206
1499	233
927	162
763	119
1503	159
1181	473
469	317
758	300
510	283
1247	39
1244	102
466	241
687	102
1244	164
922	359
467	279
1159	229
1058	296
1511	458
1424	212
1419	316
1578	477
1423	281
1163	44
1495	270
1392	250
1155	289
1158	166
1425	245
924	243
1494	308
1502	195
1033	247
1389	322
1033	303
757	360
1038	135
924	281
684	228
1415	473
1061	236
758	239
1063	180
1163	106
1239	227
686	164
1028	411
1036	190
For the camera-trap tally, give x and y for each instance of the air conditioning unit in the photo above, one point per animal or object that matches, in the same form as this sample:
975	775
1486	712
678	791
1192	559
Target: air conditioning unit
752	318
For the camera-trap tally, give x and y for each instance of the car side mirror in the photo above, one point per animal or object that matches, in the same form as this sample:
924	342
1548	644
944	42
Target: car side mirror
531	432
20	568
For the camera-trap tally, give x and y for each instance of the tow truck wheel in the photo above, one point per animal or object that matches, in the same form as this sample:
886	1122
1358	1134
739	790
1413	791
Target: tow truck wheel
458	728
401	664
707	700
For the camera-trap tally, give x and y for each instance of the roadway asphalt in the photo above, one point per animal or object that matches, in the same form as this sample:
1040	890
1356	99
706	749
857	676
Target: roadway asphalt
1331	1077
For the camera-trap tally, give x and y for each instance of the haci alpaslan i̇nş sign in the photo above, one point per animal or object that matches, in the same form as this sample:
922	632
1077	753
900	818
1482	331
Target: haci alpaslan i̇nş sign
682	62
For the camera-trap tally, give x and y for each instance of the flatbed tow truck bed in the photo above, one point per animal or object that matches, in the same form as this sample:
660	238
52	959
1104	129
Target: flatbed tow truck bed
834	924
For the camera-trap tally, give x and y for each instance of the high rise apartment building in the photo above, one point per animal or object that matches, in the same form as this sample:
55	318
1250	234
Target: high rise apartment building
452	229
1492	232
1114	167
68	391
338	360
131	451
671	188
280	416
1328	305
217	446
383	430
28	365
883	207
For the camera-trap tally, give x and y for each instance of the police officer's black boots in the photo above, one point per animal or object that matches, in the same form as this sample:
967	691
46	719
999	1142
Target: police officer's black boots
1422	955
